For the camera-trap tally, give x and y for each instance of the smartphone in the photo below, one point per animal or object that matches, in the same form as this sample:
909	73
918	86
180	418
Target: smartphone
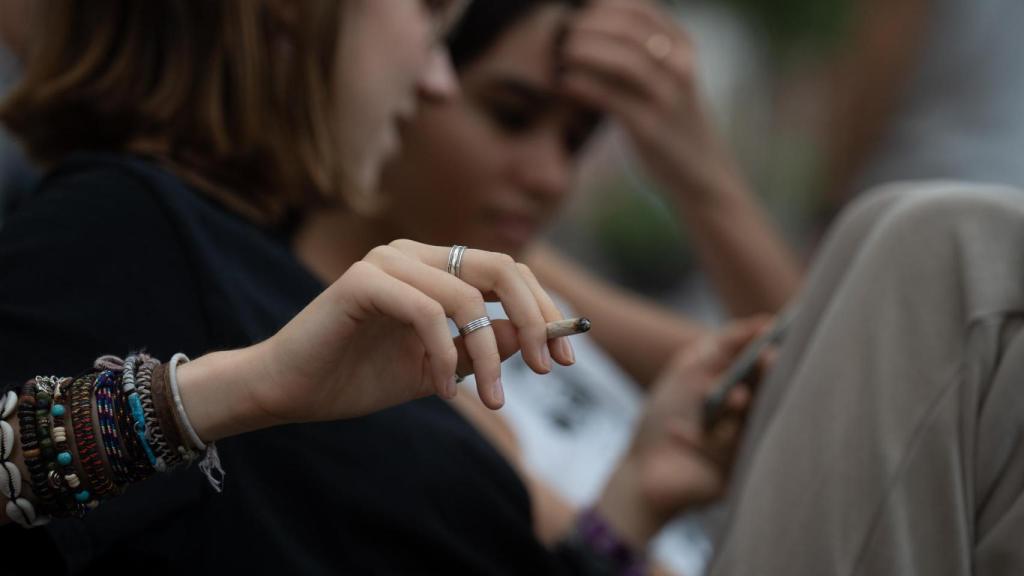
743	367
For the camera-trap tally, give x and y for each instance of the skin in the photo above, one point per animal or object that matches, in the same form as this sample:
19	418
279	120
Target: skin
391	76
508	144
378	336
385	319
14	19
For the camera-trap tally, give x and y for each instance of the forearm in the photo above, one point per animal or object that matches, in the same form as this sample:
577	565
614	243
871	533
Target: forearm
748	261
640	335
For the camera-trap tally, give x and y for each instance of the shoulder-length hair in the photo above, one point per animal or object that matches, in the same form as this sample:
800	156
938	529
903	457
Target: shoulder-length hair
237	96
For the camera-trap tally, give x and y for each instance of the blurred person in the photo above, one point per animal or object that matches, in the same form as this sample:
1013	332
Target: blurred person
179	136
492	167
889	436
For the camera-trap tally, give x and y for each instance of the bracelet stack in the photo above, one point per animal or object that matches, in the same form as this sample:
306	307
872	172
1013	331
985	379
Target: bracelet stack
86	439
600	549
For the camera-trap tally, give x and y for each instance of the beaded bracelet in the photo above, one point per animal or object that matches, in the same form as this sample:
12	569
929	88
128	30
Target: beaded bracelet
81	500
603	549
47	430
33	397
87	438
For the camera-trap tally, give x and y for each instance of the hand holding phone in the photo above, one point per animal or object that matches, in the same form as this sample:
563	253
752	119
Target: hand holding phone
743	367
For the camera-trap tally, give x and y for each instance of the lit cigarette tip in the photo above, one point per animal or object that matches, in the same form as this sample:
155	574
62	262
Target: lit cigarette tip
582	325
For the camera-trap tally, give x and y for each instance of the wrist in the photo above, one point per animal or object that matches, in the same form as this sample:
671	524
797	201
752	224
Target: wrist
217	395
626	508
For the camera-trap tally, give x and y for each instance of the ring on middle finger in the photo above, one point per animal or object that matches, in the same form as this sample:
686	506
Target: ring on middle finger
455	260
659	46
474	325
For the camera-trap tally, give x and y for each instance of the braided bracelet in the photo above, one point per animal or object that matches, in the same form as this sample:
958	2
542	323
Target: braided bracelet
138	416
109	434
83	424
153	431
136	460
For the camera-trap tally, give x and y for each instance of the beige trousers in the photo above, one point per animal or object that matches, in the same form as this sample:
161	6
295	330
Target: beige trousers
889	440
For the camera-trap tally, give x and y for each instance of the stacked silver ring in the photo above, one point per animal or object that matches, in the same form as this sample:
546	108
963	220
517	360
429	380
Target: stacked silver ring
474	325
455	260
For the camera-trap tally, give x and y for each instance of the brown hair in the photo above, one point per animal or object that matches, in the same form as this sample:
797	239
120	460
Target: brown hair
235	95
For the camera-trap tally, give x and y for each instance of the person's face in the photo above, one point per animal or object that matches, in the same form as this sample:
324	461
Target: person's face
389	55
491	166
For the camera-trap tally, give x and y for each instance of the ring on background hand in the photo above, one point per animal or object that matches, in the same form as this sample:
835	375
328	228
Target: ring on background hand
455	260
474	325
659	46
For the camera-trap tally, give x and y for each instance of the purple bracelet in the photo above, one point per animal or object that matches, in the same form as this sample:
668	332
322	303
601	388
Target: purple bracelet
595	533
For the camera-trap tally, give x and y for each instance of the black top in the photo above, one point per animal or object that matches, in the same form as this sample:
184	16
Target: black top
113	255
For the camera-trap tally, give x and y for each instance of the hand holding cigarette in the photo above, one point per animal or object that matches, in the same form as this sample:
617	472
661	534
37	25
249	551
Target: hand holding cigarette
558	329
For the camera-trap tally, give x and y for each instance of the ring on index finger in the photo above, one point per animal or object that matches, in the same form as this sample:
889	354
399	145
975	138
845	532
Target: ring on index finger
455	260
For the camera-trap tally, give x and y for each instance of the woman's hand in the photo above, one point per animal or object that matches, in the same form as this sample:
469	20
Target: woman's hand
378	337
631	60
628	58
674	463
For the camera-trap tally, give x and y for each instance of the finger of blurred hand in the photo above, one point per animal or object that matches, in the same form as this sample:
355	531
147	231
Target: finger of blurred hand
634	24
621	65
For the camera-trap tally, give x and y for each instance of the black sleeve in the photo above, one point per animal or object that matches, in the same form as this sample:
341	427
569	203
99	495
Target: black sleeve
91	265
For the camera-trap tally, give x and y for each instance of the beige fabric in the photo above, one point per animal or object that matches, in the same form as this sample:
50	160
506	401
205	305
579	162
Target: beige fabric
890	438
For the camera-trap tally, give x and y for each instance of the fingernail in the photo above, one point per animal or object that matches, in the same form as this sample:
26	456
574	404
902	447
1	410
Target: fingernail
567	349
499	392
545	358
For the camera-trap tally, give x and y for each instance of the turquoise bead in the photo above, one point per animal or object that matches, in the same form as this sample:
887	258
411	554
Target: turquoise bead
57	410
82	496
64	458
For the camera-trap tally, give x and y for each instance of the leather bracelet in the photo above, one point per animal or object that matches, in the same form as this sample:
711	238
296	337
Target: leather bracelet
163	405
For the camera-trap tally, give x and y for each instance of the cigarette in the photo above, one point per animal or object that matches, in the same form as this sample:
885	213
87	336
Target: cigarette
557	329
568	327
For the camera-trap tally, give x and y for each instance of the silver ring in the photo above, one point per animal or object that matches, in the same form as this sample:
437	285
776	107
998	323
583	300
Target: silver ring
474	325
659	46
455	260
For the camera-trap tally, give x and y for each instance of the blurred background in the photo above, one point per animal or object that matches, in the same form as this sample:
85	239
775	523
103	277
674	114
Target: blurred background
819	100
